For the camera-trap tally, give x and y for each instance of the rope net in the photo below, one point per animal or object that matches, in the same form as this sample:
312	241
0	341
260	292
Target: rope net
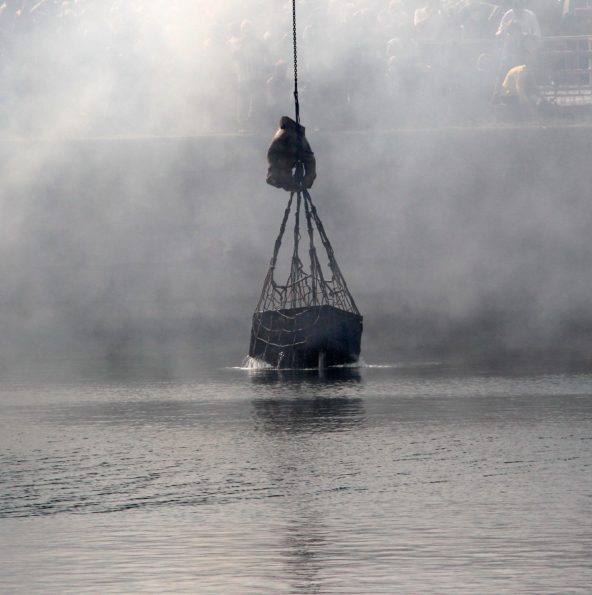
310	320
306	286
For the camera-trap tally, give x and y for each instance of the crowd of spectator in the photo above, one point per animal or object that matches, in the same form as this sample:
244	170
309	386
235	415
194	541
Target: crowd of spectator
178	66
377	64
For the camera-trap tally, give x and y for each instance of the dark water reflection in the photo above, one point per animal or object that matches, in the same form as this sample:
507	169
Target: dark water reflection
293	402
309	414
393	480
299	378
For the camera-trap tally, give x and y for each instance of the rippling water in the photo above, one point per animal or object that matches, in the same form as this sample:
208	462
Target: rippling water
382	480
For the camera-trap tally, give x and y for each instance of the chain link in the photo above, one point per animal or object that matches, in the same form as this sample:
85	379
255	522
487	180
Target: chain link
297	104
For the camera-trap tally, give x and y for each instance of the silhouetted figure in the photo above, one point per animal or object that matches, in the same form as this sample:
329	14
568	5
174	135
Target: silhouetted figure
279	88
405	76
475	18
429	21
479	90
251	62
522	18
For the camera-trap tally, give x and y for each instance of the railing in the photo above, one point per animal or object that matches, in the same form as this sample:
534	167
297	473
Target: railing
566	67
577	17
564	64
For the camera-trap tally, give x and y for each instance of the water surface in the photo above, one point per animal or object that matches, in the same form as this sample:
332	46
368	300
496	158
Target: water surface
421	479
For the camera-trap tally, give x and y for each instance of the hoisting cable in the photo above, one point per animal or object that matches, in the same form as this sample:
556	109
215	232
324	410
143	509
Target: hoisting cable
296	268
270	287
329	249
299	169
297	104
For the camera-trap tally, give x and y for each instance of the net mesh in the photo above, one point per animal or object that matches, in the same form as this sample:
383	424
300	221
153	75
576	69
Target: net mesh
310	285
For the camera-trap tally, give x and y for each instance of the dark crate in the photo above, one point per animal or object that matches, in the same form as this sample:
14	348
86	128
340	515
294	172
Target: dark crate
308	337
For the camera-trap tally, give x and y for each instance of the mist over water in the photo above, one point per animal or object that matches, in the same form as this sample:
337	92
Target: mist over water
144	239
159	247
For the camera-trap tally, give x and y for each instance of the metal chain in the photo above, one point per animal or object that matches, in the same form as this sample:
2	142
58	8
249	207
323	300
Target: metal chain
297	104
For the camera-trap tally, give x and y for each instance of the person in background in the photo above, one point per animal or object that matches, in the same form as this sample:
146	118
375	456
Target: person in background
519	22
429	21
518	29
251	63
520	93
520	90
279	88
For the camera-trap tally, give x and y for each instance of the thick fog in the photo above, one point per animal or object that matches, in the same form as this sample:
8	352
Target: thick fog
136	218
